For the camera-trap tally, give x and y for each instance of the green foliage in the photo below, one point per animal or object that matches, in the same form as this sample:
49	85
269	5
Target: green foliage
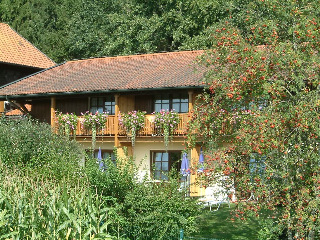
116	181
263	101
143	209
159	210
26	143
45	193
37	208
78	29
94	122
270	230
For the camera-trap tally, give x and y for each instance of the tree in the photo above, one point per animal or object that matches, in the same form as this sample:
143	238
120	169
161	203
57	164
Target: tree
258	117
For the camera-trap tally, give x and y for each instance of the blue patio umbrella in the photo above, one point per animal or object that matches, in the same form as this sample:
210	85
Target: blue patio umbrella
99	157
184	170
201	161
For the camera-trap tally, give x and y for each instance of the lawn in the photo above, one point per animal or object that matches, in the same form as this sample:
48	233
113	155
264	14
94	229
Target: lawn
217	225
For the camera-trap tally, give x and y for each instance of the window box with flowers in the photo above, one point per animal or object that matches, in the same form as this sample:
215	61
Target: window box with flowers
67	123
94	122
132	122
165	122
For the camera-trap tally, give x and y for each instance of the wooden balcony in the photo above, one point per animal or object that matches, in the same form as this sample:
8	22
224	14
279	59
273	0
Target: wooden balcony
148	130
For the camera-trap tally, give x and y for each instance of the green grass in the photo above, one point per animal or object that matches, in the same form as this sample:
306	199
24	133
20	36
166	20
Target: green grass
218	225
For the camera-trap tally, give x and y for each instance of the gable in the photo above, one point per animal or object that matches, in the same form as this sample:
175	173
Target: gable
15	49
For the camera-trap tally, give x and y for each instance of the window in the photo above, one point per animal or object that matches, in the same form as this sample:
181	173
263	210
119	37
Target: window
103	104
178	102
106	154
162	162
257	165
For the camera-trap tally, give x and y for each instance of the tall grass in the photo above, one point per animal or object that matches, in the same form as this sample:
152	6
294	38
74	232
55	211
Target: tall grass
34	208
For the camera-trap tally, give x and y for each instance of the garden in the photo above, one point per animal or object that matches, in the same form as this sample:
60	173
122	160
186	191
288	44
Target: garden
51	189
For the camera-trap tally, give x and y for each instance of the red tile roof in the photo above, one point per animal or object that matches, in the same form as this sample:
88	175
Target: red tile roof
17	112
148	71
17	50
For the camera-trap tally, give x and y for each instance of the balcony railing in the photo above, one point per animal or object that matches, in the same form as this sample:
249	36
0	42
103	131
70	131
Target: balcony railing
148	129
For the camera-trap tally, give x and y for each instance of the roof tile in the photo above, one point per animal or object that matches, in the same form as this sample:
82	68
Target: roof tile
17	50
160	70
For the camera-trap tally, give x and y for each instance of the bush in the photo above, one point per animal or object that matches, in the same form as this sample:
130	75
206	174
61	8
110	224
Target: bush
159	211
144	210
41	196
26	143
115	181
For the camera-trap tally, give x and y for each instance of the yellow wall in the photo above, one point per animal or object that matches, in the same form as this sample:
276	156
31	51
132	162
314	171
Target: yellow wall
102	145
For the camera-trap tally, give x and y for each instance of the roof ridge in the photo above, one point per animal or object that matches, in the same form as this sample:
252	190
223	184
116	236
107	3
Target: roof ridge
138	55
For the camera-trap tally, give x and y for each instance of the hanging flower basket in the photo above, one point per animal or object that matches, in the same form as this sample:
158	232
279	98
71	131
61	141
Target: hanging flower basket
165	123
67	123
94	122
132	122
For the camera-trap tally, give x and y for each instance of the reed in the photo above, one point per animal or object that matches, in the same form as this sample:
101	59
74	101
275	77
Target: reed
33	208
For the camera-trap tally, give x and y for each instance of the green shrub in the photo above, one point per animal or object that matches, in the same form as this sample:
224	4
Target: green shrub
116	180
26	143
271	230
159	211
143	210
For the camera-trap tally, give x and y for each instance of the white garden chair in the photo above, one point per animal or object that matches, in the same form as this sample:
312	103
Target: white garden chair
215	196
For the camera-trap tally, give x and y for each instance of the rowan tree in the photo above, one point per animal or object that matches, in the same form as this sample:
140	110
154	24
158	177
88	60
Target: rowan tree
258	117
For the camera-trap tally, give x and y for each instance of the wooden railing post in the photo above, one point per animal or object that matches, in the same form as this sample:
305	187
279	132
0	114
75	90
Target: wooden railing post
1	107
190	93
116	121
194	188
53	112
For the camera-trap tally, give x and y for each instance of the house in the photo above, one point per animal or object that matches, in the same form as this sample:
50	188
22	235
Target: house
148	82
18	57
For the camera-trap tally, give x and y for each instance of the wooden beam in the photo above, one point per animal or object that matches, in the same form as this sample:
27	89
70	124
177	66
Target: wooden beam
116	121
190	100
17	106
196	189
53	112
23	107
1	107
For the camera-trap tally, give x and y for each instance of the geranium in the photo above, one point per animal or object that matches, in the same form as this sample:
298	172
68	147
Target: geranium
94	122
165	123
132	121
67	123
